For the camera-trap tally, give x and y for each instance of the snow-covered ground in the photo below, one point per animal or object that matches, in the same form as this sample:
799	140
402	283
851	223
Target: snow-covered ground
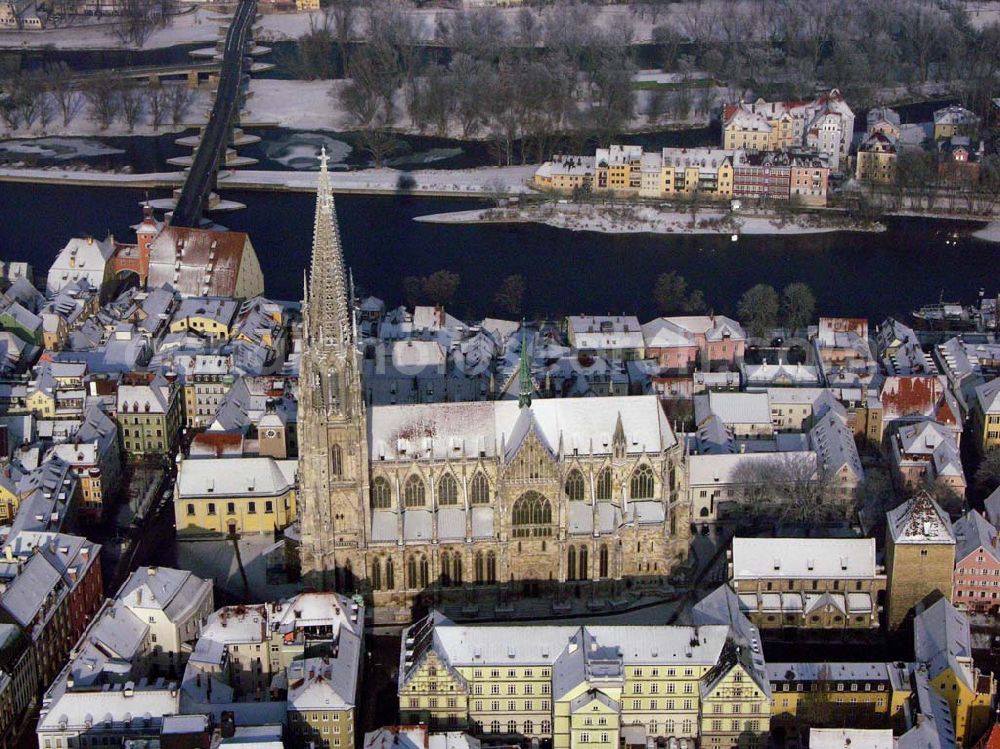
470	182
615	219
216	561
989	233
83	125
278	102
200	25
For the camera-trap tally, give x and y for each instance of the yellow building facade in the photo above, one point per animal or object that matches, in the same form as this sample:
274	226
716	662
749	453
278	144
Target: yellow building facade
831	695
581	687
985	416
234	496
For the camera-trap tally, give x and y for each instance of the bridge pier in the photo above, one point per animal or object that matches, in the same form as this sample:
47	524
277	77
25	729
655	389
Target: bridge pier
193	79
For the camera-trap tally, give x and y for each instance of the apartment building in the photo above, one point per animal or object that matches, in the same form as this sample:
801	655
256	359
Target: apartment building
825	123
977	564
584	686
833	694
942	640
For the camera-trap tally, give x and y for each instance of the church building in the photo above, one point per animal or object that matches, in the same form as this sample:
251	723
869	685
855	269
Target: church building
475	504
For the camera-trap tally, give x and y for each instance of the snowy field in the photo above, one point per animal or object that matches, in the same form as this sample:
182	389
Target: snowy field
469	182
647	219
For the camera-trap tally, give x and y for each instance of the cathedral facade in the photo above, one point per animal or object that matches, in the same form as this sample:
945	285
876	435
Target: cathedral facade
479	503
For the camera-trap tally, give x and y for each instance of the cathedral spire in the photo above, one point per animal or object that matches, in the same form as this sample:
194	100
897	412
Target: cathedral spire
524	372
329	312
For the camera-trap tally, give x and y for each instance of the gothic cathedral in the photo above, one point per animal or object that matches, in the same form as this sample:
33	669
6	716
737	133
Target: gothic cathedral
472	504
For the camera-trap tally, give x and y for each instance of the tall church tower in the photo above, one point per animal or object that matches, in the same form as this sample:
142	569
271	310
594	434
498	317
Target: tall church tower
333	443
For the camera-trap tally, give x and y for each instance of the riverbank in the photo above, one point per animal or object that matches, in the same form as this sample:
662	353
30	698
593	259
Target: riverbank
635	219
989	233
487	181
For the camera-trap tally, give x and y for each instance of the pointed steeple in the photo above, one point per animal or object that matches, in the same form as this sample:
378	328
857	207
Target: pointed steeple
618	442
329	312
527	387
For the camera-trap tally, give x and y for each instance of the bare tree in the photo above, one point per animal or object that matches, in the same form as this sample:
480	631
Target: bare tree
787	488
136	20
68	97
180	99
132	104
158	101
101	92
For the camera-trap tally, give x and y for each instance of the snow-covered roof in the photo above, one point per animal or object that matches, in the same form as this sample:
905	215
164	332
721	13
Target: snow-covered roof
175	592
805	558
942	640
599	332
123	704
721	469
989	396
734	408
919	520
444	430
234	477
834	443
972	533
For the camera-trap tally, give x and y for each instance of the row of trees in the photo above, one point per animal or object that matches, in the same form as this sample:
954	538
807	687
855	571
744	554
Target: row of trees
760	309
535	80
56	94
441	286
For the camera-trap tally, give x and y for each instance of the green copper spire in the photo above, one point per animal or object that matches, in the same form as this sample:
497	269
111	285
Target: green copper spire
524	374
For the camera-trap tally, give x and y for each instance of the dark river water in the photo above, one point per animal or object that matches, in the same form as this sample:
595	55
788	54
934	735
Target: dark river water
857	274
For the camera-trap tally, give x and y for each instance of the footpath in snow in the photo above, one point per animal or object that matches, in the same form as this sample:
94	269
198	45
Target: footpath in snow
618	219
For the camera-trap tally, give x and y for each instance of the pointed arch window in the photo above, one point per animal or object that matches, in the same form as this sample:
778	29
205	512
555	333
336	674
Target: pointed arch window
334	391
571	563
480	494
414	493
445	569
603	561
584	566
381	494
447	490
532	516
336	462
575	485
491	567
642	486
411	573
377	574
604	485
424	571
480	568
390	575
456	568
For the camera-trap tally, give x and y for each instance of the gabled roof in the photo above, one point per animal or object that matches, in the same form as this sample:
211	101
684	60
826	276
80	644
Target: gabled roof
988	396
974	532
942	640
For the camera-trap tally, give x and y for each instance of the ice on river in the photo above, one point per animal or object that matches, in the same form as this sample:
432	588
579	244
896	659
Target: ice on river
57	149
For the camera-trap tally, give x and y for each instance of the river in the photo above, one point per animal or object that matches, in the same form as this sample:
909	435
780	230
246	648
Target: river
855	274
